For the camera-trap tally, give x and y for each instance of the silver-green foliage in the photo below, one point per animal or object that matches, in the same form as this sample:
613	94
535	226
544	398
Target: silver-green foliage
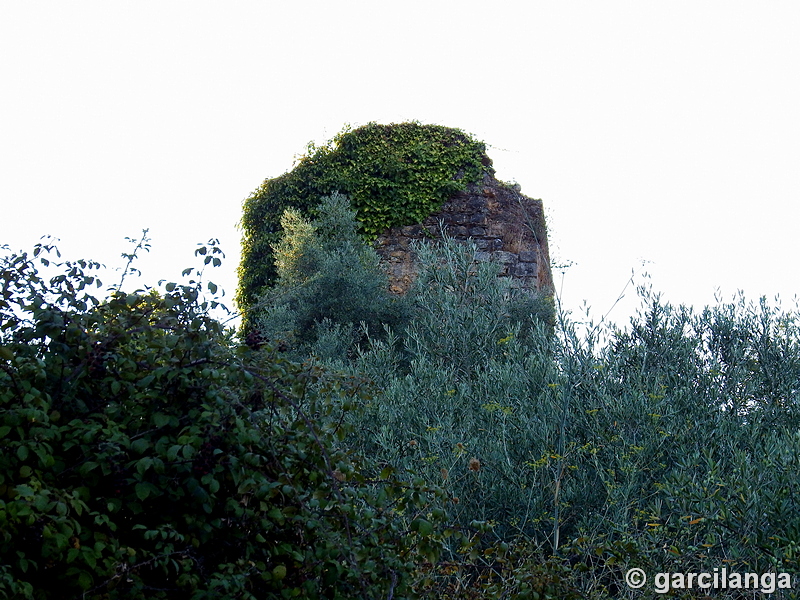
688	422
670	443
328	276
469	378
676	435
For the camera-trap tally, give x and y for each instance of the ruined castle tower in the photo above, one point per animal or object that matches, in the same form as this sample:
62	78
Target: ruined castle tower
505	225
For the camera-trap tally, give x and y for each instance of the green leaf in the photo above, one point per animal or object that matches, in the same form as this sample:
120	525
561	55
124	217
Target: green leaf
279	572
42	502
142	490
172	453
161	420
90	558
143	465
87	467
276	515
24	491
85	580
424	527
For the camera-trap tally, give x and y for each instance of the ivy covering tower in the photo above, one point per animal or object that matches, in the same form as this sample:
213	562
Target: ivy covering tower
394	175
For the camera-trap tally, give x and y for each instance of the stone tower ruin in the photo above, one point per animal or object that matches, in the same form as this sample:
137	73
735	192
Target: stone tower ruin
505	225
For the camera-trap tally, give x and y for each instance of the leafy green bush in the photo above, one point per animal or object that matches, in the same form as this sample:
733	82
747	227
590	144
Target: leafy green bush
145	454
396	174
329	281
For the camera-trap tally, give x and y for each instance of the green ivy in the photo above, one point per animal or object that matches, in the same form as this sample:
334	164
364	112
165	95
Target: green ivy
395	175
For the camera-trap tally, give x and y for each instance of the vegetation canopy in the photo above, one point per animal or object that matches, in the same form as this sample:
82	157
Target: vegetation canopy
146	454
468	452
394	175
669	445
328	277
461	442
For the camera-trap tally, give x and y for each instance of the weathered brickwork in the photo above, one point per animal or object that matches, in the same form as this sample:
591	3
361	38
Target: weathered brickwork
505	225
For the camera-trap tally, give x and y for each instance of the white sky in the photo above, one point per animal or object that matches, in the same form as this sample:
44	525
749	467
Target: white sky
663	132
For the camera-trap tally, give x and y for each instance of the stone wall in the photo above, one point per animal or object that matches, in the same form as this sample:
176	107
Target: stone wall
505	225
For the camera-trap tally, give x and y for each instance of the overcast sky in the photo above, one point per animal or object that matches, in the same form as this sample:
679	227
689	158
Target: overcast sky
662	137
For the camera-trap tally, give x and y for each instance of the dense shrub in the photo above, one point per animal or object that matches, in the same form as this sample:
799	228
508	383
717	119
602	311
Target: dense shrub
329	279
465	388
670	443
145	454
395	174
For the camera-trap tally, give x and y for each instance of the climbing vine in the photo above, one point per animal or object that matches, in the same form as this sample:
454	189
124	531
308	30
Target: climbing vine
395	175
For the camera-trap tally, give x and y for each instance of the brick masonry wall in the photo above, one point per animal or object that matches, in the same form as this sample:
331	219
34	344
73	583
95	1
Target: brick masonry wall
505	225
